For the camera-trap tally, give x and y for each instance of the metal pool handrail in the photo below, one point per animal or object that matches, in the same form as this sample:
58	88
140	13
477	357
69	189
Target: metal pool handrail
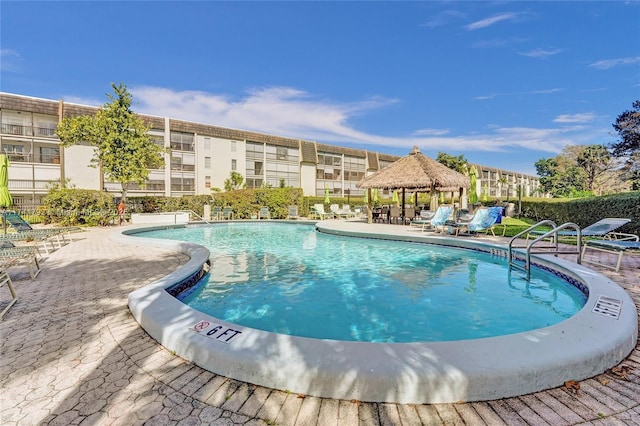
553	233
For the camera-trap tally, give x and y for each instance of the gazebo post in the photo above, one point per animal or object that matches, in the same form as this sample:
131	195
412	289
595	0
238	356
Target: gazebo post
369	206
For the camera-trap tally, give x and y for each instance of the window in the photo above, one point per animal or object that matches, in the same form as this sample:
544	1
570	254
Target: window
207	144
49	155
234	146
281	153
234	164
207	162
182	141
207	181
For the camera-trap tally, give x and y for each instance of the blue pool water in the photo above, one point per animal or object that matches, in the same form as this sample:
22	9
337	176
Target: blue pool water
290	279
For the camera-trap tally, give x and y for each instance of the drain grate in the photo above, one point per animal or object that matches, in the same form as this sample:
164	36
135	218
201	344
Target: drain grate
608	307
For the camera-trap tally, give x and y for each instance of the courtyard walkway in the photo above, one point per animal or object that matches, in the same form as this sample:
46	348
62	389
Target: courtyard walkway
72	354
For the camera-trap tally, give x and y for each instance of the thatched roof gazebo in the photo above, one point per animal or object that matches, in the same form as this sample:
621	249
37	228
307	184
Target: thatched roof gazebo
416	172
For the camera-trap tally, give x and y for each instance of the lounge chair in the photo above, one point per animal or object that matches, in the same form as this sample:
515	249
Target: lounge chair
227	213
604	228
630	246
14	256
318	210
24	232
293	212
6	280
484	219
216	213
436	223
346	210
264	213
47	239
423	217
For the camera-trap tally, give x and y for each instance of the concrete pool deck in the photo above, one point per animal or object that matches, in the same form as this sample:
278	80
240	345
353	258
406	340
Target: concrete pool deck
72	353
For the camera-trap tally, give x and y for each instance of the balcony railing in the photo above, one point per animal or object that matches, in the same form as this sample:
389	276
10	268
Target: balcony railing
28	157
28	184
22	130
178	146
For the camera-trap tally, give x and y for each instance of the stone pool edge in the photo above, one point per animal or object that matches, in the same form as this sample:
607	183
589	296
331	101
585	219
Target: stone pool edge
583	346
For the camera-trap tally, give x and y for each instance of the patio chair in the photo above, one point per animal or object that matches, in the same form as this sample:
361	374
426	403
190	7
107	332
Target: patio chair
318	210
423	217
15	221
47	239
20	256
227	213
409	214
6	280
264	213
394	214
346	211
630	246
484	219
604	228
438	220
216	213
293	212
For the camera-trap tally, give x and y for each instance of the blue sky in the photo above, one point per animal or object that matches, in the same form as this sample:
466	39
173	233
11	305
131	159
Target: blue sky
502	83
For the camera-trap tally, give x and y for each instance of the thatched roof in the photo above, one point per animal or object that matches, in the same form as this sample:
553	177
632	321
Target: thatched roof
415	171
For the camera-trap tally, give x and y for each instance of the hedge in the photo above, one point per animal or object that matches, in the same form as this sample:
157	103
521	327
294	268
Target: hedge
586	211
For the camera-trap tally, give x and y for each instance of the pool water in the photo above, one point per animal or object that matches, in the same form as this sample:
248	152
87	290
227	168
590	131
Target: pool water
290	279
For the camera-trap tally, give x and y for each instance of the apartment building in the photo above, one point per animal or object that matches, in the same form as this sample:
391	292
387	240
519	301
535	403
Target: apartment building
198	158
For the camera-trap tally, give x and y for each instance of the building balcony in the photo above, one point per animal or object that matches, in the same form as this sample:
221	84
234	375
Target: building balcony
21	130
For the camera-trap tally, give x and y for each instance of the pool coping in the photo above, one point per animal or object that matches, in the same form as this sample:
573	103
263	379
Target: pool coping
428	372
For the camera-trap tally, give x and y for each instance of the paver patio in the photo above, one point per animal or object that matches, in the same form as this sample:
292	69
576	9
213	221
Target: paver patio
73	354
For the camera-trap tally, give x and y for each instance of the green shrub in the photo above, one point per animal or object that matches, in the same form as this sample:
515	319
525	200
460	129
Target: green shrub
70	206
586	211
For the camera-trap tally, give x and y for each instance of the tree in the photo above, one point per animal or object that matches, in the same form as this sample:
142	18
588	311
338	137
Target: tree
504	183
234	181
458	163
124	150
595	160
628	127
561	176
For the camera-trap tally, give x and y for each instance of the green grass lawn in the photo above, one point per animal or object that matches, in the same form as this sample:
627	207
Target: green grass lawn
515	225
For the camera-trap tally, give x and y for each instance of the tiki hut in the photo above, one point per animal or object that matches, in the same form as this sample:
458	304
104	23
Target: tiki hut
416	172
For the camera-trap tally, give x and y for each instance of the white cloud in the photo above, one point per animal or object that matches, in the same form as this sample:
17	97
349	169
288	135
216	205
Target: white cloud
497	42
10	60
295	113
540	53
487	22
610	63
532	92
585	117
443	18
431	132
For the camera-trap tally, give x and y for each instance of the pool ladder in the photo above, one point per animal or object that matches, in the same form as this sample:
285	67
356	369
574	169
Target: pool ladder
525	264
191	212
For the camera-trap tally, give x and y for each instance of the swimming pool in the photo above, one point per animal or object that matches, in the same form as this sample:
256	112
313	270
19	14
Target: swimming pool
290	279
596	338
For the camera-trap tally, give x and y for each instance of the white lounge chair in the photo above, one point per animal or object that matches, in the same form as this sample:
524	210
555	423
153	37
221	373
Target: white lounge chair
630	246
318	210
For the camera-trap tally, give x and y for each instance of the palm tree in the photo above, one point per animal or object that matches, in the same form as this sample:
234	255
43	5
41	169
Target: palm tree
503	181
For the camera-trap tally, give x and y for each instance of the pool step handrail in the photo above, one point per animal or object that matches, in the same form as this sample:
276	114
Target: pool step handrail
191	212
551	249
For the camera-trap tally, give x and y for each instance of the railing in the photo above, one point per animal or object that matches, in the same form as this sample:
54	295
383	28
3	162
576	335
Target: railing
22	130
553	234
178	146
191	212
28	184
